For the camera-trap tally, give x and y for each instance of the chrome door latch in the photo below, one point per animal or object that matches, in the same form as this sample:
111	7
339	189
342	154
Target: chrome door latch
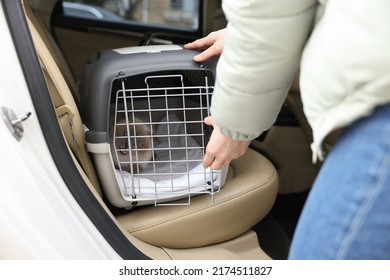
14	122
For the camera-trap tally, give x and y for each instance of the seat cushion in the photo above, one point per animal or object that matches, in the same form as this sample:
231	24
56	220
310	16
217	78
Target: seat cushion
247	196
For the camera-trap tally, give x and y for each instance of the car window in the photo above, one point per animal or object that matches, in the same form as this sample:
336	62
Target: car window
180	14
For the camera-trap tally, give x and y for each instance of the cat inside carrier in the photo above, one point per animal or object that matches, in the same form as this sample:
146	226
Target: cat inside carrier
143	109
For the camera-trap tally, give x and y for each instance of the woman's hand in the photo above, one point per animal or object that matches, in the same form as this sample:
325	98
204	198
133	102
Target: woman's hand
221	150
211	45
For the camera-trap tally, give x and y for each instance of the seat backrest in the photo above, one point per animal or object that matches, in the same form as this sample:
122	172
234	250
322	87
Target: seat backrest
53	48
63	101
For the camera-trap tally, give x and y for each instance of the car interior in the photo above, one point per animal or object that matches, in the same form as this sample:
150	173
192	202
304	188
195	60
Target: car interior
254	214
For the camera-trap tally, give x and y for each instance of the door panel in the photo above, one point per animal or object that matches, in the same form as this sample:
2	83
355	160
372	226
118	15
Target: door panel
77	45
82	27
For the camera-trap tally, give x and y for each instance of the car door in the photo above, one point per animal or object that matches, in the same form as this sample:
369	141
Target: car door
40	218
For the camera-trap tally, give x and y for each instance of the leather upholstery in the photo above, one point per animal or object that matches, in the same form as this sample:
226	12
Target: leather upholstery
247	196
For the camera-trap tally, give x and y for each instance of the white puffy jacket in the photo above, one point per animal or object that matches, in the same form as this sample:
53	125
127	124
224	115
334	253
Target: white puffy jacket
345	65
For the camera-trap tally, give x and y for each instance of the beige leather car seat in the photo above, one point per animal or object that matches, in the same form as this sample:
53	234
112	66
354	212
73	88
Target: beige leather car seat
54	49
246	198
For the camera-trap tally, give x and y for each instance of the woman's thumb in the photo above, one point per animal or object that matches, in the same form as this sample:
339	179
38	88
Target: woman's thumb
209	121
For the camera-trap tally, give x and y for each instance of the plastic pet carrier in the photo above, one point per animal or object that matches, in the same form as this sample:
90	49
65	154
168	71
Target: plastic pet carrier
143	109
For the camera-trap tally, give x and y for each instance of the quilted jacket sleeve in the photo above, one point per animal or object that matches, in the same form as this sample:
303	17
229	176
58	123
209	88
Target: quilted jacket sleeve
263	46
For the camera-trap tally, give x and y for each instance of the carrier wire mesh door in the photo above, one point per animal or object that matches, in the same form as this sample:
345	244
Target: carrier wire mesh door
158	138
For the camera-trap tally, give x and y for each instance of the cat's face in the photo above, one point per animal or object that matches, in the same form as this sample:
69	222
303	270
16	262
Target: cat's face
132	144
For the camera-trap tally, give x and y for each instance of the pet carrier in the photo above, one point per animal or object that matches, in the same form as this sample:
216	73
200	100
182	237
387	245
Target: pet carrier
143	109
